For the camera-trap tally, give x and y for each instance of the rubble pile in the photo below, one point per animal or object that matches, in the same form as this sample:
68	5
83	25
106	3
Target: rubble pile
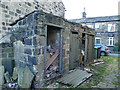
21	78
52	62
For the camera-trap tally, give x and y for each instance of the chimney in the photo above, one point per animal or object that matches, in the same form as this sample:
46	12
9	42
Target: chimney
84	14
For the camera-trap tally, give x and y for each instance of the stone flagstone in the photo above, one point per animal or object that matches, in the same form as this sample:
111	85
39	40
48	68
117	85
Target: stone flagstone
2	70
27	78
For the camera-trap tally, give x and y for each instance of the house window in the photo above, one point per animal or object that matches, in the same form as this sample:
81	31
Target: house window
97	41
111	41
97	25
111	27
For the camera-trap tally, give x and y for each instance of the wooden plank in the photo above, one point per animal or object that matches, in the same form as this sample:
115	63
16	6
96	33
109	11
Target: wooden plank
52	59
54	63
48	56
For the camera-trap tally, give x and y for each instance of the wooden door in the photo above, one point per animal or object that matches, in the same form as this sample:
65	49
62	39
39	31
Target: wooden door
74	51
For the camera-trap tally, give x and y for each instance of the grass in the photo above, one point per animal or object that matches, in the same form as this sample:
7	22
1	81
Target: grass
100	71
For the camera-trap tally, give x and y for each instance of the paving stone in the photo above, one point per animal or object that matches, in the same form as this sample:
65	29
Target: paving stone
28	41
32	60
28	51
20	76
2	70
27	78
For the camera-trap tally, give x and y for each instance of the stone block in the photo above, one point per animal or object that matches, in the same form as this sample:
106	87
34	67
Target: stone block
6	50
37	51
24	21
29	33
28	41
32	60
29	18
20	23
18	11
5	45
35	31
20	76
2	70
41	40
34	41
28	51
27	78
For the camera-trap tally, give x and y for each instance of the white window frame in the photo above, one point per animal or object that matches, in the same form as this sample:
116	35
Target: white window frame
110	27
96	40
111	40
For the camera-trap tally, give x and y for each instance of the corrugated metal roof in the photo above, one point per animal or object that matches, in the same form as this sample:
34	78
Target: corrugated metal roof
75	78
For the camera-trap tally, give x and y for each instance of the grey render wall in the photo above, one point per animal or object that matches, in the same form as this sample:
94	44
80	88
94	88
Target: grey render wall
13	10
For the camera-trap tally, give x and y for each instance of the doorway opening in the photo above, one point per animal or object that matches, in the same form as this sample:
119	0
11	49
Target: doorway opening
53	63
83	50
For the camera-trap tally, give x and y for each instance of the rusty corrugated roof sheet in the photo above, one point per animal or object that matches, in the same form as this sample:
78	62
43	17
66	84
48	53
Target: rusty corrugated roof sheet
75	78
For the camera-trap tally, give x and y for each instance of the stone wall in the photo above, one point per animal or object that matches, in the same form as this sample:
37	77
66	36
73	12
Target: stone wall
29	36
13	10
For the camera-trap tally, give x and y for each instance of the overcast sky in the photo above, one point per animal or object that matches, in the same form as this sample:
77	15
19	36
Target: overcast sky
94	8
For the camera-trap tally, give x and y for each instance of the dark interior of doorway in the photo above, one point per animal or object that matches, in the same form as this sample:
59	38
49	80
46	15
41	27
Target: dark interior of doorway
83	49
53	48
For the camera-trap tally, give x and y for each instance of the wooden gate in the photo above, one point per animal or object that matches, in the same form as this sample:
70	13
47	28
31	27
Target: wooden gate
74	51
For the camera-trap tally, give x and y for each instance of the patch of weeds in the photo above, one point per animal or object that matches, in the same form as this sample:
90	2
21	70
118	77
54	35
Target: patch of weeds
102	68
115	83
45	88
110	59
117	76
97	77
83	87
70	87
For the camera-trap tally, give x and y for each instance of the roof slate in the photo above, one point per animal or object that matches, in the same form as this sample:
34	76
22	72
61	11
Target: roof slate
97	19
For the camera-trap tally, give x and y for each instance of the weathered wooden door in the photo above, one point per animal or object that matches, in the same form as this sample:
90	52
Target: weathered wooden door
90	49
74	51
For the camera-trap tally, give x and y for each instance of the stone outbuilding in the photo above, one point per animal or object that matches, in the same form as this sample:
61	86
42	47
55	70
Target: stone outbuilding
45	46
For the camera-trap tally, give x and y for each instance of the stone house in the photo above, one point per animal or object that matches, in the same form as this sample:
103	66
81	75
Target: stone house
106	28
